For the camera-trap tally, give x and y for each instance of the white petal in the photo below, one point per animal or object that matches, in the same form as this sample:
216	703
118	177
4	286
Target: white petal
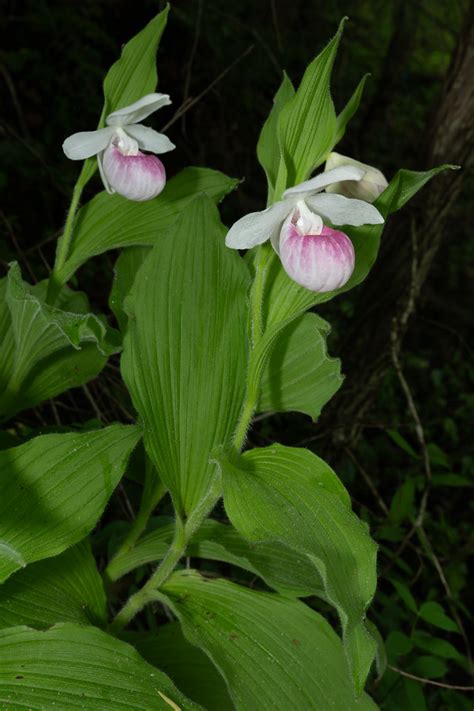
138	111
139	177
344	211
87	143
150	140
344	172
257	227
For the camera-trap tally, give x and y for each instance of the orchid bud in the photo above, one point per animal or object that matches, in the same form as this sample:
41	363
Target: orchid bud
139	176
317	257
368	188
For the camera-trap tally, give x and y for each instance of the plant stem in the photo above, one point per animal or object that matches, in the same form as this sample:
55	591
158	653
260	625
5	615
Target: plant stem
256	330
64	242
183	534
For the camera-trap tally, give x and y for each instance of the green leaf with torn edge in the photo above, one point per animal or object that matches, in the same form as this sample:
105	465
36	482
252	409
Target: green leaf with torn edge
299	375
54	490
273	652
38	336
291	496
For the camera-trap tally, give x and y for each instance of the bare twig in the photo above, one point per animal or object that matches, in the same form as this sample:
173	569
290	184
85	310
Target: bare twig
430	681
368	481
187	80
191	102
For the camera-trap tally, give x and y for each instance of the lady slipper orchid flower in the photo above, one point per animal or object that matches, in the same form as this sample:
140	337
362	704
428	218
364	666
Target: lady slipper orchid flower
312	253
368	188
123	167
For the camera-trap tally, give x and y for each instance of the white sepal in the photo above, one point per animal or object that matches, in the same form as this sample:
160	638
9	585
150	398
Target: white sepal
85	144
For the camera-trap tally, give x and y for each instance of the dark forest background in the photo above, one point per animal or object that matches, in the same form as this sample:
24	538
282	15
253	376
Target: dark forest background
399	432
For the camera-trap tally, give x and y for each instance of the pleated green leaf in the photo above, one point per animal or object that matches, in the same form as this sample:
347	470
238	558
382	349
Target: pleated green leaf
307	122
66	588
134	75
188	666
274	653
268	147
54	490
125	271
72	667
291	496
111	221
185	351
281	567
42	339
349	110
299	375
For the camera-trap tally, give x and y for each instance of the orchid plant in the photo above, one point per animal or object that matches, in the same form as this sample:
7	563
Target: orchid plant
130	614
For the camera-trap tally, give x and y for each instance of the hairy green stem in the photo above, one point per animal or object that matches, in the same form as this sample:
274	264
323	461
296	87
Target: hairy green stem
183	534
64	242
256	329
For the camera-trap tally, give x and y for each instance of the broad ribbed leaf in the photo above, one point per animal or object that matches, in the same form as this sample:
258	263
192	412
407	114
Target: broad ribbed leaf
268	148
54	490
307	122
291	496
72	667
274	653
299	375
40	337
66	588
134	74
125	270
185	351
349	110
111	221
281	567
190	668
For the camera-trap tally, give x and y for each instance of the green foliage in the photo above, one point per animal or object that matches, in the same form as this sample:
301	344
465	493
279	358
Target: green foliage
190	668
46	349
71	666
242	629
186	348
134	75
293	497
299	375
65	588
110	221
54	490
210	340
